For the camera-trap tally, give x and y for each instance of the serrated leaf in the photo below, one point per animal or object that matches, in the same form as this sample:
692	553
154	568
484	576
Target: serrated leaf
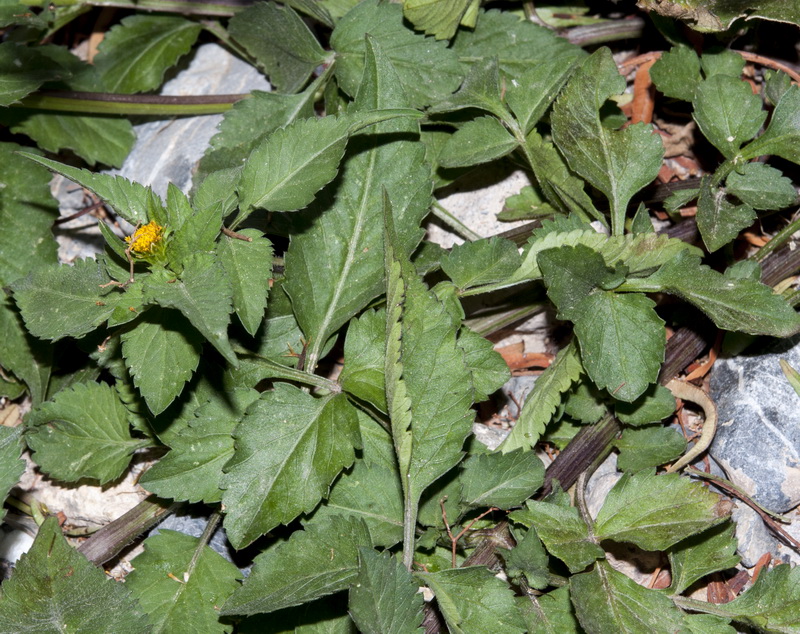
22	70
622	342
529	558
426	70
480	89
289	448
190	604
651	407
364	351
740	305
130	200
280	42
439	18
717	60
202	294
65	301
83	432
481	262
526	205
520	45
677	73
474	600
550	613
530	94
617	162
562	531
161	353
158	42
648	447
501	480
700	555
371	492
607	601
728	112
313	563
772	603
544	398
782	136
585	403
55	589
249	268
384	597
12	466
479	141
27	211
487	367
655	512
335	267
761	187
192	469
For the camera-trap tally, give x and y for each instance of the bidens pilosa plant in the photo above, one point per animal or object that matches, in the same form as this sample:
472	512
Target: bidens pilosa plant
208	339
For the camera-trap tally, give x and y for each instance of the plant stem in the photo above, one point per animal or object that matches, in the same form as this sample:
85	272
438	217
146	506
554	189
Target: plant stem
117	104
778	240
208	533
593	34
453	223
411	507
219	8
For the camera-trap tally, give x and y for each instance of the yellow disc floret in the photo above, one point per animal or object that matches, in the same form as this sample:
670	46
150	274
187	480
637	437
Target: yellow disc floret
146	239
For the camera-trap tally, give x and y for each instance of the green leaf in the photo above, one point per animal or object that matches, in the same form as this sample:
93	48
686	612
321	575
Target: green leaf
280	42
501	480
202	294
727	112
761	187
792	375
161	353
289	448
700	555
83	432
313	563
529	558
134	202
776	83
617	162
562	531
607	601
622	342
651	407
440	18
23	69
479	141
481	89
677	73
782	136
335	267
519	45
544	398
487	367
364	350
526	205
190	604
135	54
192	469
370	492
27	211
249	123
55	589
481	262
65	301
740	305
474	600
655	512
384	598
249	268
550	613
427	71
12	466
719	219
585	403
530	94
648	447
772	604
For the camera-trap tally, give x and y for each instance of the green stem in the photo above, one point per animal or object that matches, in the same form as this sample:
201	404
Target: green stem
411	508
208	533
273	370
222	9
454	223
722	172
116	104
778	240
221	33
700	606
491	324
612	31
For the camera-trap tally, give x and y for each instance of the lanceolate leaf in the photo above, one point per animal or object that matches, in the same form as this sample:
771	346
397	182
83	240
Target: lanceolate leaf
335	268
481	262
204	581
720	220
544	398
55	589
364	358
618	163
84	432
289	448
135	54
315	562
501	480
249	267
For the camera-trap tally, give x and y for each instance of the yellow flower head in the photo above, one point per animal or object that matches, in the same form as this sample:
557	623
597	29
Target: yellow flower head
146	239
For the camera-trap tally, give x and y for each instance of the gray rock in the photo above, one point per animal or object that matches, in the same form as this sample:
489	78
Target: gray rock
758	433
